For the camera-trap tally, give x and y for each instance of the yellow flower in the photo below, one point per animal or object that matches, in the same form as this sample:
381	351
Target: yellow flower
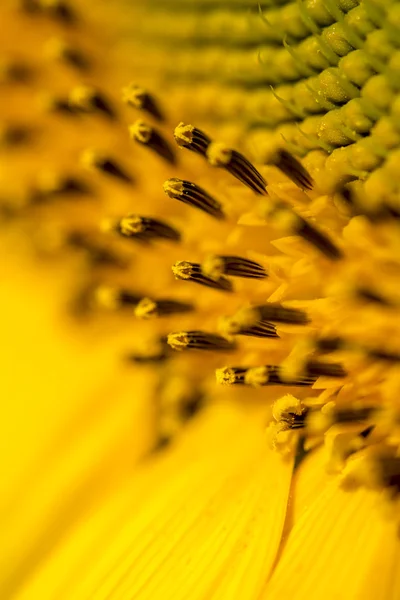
200	299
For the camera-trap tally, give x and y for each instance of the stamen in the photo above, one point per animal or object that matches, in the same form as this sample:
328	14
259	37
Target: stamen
59	9
289	220
214	266
271	312
258	376
146	229
148	136
51	184
195	196
263	329
290	411
237	165
188	136
12	135
369	295
315	368
157	352
328	345
140	99
92	159
292	168
189	271
148	308
86	99
112	298
58	49
98	254
199	340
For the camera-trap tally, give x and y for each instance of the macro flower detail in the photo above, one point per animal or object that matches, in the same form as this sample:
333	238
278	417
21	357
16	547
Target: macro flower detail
199	213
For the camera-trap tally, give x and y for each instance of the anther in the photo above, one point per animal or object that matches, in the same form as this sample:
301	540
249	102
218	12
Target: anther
146	229
14	135
86	99
292	168
271	312
215	266
51	184
97	253
59	9
156	351
318	369
92	159
188	271
188	136
14	72
148	308
231	326
195	196
368	295
199	340
146	135
237	165
289	220
290	411
112	298
258	377
58	49
139	98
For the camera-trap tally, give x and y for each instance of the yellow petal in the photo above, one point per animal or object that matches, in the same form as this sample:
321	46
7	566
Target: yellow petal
331	549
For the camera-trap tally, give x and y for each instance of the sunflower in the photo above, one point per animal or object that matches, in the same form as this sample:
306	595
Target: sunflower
200	234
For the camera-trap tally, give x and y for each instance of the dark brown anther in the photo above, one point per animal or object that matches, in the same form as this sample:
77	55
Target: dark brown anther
97	161
188	271
52	185
157	353
57	49
231	326
258	377
148	136
59	10
148	308
199	340
146	229
292	168
318	369
368	295
195	196
271	312
318	239
237	165
12	135
97	253
191	138
329	344
136	96
14	72
236	266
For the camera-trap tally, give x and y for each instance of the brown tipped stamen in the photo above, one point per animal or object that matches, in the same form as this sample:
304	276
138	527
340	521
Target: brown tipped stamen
368	295
138	98
111	298
271	312
50	185
262	329
199	340
59	10
237	165
195	196
236	266
146	135
93	159
259	376
188	271
98	254
146	229
148	308
292	168
332	344
285	217
12	135
86	99
58	49
188	136
318	369
158	352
